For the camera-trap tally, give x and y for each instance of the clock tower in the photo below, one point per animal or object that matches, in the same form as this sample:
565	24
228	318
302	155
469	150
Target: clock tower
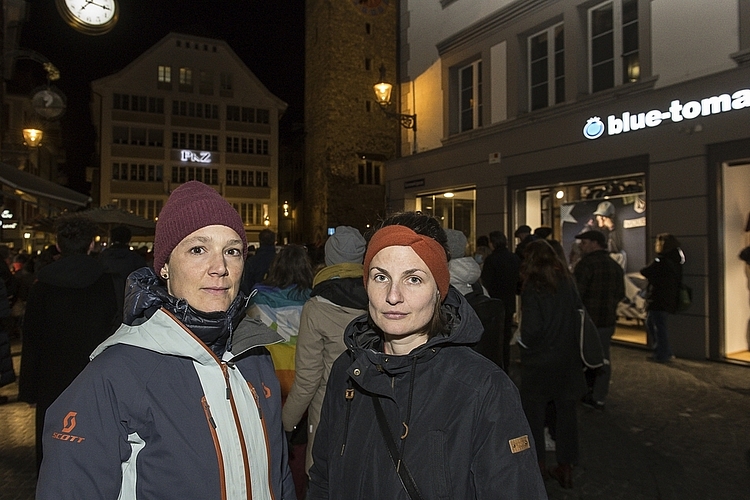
348	138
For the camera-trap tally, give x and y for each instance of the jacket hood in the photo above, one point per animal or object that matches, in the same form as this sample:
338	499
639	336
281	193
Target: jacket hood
145	294
465	271
275	297
464	329
72	271
342	285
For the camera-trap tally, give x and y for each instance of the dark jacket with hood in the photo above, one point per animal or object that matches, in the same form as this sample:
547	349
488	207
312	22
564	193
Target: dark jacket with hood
7	374
551	366
71	309
664	276
460	415
176	404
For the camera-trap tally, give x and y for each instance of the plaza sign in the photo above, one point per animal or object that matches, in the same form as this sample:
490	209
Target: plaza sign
195	156
676	112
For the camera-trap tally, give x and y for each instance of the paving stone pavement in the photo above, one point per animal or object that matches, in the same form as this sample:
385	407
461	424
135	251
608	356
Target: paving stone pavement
673	431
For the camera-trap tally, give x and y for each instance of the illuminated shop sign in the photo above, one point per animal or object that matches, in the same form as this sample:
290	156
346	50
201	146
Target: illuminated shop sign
6	214
676	112
195	156
10	225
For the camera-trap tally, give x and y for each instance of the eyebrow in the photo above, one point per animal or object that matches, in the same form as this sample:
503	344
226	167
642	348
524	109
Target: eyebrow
206	239
405	273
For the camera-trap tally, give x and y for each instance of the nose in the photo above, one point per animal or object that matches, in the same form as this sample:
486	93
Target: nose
394	295
218	265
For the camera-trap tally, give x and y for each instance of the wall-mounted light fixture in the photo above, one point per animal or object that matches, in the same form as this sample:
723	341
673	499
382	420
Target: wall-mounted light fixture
266	221
383	91
32	137
285	208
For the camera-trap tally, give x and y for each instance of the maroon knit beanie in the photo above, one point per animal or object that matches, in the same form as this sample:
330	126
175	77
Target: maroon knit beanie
190	207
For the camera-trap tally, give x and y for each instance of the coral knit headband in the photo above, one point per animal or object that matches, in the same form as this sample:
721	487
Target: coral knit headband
429	250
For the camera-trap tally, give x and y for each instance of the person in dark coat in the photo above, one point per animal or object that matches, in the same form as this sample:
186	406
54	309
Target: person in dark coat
500	276
257	265
551	367
7	373
71	309
664	276
601	285
119	259
524	237
454	418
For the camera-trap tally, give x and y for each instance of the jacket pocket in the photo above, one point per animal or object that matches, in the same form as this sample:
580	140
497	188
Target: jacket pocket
441	477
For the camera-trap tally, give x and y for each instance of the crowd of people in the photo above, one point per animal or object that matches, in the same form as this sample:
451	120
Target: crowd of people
373	366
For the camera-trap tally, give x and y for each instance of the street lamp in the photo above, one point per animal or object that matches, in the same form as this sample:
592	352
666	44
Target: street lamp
32	137
383	97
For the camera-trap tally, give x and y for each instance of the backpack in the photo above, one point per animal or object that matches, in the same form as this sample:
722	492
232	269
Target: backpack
491	313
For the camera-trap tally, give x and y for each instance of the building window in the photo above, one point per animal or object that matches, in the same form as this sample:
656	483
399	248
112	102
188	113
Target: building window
251	213
247	115
368	64
195	109
120	135
470	96
206	84
262	116
225	81
203	142
613	44
139	103
246	178
261	146
186	76
183	174
370	172
137	172
164	74
546	68
138	136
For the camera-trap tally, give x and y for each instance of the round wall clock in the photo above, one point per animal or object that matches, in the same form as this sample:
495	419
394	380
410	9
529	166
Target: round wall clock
371	7
91	17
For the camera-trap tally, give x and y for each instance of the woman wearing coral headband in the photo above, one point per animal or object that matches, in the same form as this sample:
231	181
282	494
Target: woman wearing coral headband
411	411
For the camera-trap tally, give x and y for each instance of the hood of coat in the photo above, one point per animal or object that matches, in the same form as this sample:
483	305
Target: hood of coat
342	285
465	271
72	271
145	294
464	329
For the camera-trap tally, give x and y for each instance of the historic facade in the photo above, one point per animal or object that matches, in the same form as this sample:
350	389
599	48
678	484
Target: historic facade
551	113
188	109
347	138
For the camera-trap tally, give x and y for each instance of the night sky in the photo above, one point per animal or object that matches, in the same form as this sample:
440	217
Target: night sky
268	35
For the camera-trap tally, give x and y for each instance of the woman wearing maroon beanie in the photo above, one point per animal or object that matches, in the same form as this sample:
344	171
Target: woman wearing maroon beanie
411	410
182	401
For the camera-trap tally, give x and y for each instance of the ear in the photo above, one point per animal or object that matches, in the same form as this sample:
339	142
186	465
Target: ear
164	271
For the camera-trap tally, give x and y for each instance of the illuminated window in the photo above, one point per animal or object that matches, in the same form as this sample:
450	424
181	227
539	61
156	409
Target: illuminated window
186	76
164	74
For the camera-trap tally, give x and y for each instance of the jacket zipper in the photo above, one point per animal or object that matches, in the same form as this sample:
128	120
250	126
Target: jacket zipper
217	445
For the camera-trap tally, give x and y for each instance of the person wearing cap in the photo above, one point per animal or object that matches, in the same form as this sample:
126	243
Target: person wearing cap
409	398
601	285
524	237
338	296
182	400
603	220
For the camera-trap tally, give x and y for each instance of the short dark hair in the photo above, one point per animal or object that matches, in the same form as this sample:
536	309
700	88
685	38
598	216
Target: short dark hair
267	238
75	234
498	239
120	234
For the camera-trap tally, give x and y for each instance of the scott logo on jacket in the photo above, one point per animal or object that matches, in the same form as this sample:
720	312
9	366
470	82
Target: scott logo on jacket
69	423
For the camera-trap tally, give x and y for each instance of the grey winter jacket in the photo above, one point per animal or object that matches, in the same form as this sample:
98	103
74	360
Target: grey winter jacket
176	404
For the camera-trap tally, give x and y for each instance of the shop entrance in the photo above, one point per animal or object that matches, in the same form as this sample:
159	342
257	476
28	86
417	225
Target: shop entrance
736	210
455	209
613	206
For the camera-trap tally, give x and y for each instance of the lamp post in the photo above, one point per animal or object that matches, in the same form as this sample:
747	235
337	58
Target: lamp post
383	91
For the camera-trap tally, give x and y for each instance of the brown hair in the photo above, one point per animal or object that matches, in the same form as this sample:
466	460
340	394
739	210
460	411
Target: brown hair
542	269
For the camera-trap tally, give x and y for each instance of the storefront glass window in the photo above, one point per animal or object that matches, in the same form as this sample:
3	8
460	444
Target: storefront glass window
455	209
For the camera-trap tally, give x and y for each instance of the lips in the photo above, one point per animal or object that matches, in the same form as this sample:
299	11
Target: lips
394	315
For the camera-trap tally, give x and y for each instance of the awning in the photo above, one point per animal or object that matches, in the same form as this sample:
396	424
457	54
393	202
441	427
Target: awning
31	184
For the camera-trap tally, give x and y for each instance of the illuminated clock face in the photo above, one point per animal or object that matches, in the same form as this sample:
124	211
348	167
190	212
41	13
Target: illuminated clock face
93	17
371	7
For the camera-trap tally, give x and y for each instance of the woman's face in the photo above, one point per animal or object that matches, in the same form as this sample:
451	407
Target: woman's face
205	268
402	292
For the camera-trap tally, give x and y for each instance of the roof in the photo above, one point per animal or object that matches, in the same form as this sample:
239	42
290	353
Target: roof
34	185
